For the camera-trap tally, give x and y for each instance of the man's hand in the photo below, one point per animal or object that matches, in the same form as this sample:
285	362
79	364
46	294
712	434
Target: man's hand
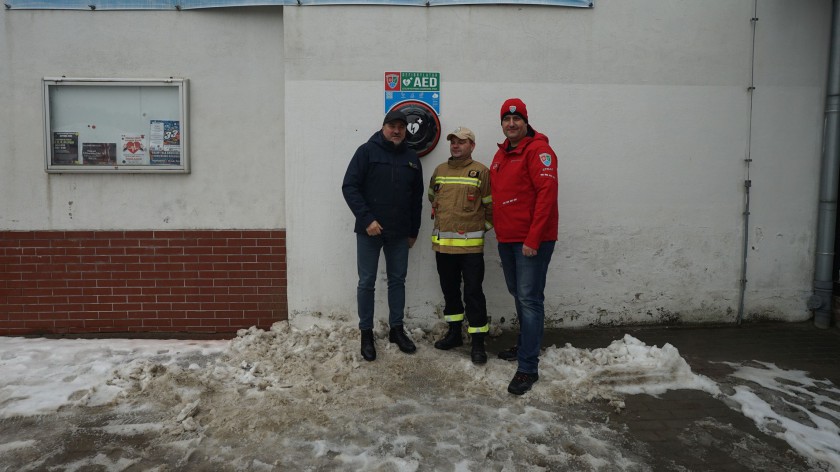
374	229
528	252
411	242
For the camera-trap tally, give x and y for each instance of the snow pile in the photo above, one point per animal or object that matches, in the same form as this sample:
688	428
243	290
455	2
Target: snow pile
626	366
303	399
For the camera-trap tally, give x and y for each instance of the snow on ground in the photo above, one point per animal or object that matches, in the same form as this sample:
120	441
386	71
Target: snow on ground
304	399
788	404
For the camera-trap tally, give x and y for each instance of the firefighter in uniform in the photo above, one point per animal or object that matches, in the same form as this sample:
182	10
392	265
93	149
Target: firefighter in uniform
462	210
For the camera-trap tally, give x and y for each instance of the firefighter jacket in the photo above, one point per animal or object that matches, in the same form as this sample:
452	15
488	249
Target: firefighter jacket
462	207
524	185
384	182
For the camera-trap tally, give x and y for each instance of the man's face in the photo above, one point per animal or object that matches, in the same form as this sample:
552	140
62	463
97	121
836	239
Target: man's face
461	148
514	128
394	131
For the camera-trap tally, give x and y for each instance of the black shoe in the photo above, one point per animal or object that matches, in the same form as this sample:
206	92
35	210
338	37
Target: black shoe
368	348
397	335
522	382
509	354
452	338
477	353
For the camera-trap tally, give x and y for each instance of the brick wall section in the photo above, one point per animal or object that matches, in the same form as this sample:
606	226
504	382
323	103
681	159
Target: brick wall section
66	282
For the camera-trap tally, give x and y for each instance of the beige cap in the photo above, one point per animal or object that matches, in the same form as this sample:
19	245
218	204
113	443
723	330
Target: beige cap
461	133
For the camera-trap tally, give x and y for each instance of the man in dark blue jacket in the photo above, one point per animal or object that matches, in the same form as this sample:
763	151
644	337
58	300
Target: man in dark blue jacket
383	186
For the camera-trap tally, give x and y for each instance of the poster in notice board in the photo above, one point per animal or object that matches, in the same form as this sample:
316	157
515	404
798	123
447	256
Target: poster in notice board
165	142
65	148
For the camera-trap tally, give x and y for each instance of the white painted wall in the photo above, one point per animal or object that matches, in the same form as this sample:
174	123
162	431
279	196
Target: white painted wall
646	105
645	102
234	61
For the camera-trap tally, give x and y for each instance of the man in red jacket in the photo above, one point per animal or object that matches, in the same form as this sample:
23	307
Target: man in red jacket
523	181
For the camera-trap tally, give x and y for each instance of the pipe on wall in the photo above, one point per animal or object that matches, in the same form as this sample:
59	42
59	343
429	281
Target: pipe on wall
747	182
820	302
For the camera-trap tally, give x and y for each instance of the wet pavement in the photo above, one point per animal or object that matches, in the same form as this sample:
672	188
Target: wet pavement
691	430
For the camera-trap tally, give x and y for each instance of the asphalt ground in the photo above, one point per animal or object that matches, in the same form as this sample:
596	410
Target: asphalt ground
691	430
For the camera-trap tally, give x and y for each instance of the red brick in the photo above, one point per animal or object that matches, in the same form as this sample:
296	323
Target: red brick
93	243
154	242
168	267
126	290
111	283
169	283
125	324
240	242
183	242
79	283
25	268
79	234
138	234
168	234
46	325
215	322
110	251
133	259
69	308
123	308
128	244
227	250
157	322
79	251
169	251
107	323
142	251
201	282
228	234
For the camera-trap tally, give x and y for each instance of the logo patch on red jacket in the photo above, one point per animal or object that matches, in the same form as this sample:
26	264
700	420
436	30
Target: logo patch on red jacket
546	159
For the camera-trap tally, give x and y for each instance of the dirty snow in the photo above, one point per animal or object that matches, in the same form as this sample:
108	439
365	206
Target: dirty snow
304	399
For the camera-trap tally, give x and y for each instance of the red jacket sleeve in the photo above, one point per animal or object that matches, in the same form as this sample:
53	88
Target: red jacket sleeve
542	167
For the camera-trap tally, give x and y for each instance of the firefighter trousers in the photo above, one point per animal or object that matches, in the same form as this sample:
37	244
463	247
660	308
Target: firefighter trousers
469	268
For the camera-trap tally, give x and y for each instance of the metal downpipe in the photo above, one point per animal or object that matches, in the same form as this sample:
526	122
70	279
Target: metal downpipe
747	182
829	167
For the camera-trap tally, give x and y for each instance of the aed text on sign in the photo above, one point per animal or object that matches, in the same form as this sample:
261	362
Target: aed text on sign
420	81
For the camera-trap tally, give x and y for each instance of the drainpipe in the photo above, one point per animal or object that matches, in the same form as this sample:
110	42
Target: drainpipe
820	302
747	181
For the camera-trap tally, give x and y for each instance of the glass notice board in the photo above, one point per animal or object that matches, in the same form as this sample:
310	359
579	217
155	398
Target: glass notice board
116	125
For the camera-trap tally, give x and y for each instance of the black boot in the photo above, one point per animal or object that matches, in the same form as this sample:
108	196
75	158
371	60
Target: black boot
477	353
452	337
509	354
368	348
397	335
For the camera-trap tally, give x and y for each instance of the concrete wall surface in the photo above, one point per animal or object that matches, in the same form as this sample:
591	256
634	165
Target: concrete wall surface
233	59
648	106
646	102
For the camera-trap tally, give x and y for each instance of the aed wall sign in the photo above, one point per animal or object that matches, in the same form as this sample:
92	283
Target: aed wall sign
419	86
417	94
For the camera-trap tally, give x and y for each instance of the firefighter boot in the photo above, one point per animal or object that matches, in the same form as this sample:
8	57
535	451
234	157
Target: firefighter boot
368	348
477	353
452	338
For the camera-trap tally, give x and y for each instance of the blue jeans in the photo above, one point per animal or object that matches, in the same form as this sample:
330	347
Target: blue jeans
396	266
525	279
